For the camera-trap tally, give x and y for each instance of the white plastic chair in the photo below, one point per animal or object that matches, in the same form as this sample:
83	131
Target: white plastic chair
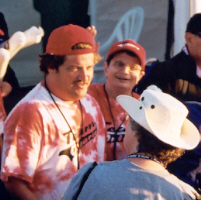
129	26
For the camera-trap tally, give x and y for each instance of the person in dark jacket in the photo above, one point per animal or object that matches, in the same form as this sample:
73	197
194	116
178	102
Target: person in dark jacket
180	76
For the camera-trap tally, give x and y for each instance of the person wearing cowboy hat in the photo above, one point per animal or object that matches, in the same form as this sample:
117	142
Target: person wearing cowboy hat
157	133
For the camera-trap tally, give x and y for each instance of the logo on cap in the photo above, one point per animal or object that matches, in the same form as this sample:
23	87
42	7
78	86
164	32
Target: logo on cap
128	44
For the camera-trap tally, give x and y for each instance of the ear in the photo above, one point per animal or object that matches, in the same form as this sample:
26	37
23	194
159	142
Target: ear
51	71
188	37
105	68
142	73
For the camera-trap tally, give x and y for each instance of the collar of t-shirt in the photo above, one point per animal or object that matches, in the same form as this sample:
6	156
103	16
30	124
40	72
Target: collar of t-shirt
198	70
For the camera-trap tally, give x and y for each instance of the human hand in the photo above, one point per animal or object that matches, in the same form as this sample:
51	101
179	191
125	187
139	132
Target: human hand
92	30
6	88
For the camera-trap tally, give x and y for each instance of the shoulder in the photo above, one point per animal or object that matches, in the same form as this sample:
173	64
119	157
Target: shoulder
92	108
179	60
135	95
78	180
97	169
85	169
28	107
102	167
24	114
186	188
157	66
89	100
95	88
114	167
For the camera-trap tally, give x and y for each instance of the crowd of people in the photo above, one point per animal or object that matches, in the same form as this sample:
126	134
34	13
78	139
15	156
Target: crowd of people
71	139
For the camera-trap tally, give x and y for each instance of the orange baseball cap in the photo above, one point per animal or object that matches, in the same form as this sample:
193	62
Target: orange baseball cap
129	45
62	39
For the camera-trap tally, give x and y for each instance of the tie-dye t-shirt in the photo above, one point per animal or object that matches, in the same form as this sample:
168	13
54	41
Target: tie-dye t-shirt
115	135
40	149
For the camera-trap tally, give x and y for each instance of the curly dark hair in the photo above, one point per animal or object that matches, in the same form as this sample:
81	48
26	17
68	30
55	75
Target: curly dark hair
50	61
150	145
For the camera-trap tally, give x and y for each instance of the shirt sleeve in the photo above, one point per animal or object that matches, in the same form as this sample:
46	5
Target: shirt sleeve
21	143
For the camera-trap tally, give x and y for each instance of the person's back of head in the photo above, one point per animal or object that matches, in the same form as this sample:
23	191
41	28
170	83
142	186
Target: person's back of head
161	126
150	145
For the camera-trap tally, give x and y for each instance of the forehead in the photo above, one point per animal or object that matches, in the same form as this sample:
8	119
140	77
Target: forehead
80	59
123	56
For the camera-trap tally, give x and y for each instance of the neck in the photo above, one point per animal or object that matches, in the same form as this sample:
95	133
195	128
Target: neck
146	164
145	161
51	90
114	92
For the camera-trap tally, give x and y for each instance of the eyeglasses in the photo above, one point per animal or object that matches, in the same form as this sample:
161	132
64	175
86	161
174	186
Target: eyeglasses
121	65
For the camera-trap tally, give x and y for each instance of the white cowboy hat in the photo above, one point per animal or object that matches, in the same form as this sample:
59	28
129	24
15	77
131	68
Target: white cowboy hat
163	116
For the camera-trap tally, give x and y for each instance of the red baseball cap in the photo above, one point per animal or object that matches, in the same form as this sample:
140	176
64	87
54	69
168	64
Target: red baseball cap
129	45
62	39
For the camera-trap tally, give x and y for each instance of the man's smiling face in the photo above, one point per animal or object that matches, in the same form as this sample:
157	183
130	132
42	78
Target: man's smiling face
124	71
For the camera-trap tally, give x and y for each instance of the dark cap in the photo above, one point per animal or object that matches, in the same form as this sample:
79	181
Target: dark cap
194	24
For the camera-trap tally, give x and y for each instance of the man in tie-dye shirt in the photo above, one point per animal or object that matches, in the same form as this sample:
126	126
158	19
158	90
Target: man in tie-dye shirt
56	128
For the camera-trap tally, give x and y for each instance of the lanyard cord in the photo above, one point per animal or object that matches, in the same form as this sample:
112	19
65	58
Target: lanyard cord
138	155
115	130
71	130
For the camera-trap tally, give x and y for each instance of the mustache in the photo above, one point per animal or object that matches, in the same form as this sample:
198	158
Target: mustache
81	82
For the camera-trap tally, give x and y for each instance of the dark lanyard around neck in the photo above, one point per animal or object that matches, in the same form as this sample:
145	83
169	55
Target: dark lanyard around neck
71	130
138	155
115	130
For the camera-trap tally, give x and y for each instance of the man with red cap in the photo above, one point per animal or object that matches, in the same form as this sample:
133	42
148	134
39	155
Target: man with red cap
56	128
123	68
